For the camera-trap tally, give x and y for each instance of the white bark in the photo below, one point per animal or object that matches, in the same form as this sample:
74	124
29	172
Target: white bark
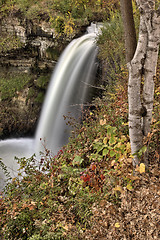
142	68
153	29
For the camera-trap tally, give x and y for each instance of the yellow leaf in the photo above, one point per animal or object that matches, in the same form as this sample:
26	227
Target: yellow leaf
129	187
123	138
117	225
142	168
125	124
105	140
112	163
121	159
102	122
118	188
66	227
119	172
119	144
128	146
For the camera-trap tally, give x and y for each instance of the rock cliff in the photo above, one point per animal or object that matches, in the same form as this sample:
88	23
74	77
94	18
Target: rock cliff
30	48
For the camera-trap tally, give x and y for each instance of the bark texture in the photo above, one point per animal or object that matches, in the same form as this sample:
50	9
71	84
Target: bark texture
142	70
129	28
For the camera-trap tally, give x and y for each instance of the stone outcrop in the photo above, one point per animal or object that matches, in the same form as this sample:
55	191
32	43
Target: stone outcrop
35	38
36	55
35	52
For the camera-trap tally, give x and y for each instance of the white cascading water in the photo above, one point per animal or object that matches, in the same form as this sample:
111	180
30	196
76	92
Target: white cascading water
67	92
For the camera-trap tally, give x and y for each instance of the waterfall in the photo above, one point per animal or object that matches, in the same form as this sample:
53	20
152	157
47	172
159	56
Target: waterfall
67	91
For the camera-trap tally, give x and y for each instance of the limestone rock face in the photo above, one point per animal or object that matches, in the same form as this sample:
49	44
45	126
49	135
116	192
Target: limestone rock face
35	38
31	47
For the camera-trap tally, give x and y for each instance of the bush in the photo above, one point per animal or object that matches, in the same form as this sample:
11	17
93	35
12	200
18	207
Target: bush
111	43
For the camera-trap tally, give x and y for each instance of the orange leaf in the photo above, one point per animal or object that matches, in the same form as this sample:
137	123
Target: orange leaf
31	207
102	122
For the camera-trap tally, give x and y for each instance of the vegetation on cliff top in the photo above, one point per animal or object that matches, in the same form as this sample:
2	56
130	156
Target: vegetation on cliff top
65	16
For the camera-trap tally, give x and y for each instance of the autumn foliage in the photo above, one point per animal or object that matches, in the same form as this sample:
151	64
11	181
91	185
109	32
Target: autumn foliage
89	190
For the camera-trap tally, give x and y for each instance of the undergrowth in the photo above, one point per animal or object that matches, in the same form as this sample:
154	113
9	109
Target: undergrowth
54	200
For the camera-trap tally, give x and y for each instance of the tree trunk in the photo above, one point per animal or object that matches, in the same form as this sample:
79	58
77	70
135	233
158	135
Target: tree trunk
129	28
142	68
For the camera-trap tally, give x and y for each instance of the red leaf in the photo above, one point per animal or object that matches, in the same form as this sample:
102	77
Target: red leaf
102	177
85	177
93	167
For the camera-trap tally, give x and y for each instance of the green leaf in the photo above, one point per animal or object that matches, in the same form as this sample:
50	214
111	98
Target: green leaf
98	146
111	130
77	160
112	140
142	150
118	155
105	152
112	153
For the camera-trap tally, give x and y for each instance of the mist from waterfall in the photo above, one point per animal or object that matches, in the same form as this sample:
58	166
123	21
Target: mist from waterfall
67	92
